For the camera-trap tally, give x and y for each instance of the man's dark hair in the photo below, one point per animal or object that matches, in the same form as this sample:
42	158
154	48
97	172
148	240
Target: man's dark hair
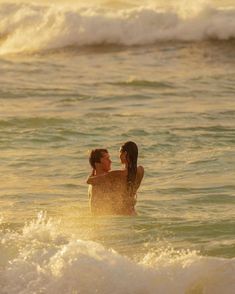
96	155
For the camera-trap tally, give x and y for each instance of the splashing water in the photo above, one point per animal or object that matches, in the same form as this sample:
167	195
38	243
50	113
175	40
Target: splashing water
47	261
38	28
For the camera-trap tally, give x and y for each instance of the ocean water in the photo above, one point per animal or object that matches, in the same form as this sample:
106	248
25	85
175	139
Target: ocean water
79	76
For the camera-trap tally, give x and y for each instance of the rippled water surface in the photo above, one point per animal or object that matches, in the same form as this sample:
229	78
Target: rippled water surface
176	100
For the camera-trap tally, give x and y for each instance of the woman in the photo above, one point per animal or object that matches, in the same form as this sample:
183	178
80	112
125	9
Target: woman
122	185
134	175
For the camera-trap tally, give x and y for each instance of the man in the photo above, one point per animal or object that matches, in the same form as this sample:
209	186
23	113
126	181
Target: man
100	195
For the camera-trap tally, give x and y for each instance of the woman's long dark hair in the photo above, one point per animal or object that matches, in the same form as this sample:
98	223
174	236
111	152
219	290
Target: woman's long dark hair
132	157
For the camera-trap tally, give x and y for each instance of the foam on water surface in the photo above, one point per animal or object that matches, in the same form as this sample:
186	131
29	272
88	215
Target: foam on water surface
43	260
175	99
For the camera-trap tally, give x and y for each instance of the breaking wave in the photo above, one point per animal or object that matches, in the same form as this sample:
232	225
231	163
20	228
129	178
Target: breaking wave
40	259
36	28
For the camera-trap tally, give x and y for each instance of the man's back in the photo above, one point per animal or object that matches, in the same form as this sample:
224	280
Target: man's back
101	199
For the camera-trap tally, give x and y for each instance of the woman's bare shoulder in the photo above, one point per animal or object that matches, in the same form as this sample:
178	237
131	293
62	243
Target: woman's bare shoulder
140	169
140	173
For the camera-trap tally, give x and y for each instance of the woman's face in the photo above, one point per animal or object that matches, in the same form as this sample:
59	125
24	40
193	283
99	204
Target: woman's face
122	155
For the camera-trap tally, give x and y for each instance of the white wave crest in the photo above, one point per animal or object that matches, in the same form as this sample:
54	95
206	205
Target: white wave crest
46	261
36	28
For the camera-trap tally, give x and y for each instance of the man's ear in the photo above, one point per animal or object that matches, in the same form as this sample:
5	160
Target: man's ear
97	164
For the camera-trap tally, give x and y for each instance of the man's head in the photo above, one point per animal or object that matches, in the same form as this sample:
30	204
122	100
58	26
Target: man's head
100	160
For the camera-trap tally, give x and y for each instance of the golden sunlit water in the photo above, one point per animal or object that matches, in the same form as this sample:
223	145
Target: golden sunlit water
76	76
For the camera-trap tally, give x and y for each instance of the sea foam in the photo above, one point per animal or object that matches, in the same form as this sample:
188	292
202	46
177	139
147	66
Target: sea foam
44	260
30	27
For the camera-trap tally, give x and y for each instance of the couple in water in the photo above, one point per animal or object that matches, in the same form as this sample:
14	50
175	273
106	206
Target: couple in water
114	192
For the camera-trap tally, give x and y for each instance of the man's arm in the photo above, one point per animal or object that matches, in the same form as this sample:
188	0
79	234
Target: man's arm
102	179
91	175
